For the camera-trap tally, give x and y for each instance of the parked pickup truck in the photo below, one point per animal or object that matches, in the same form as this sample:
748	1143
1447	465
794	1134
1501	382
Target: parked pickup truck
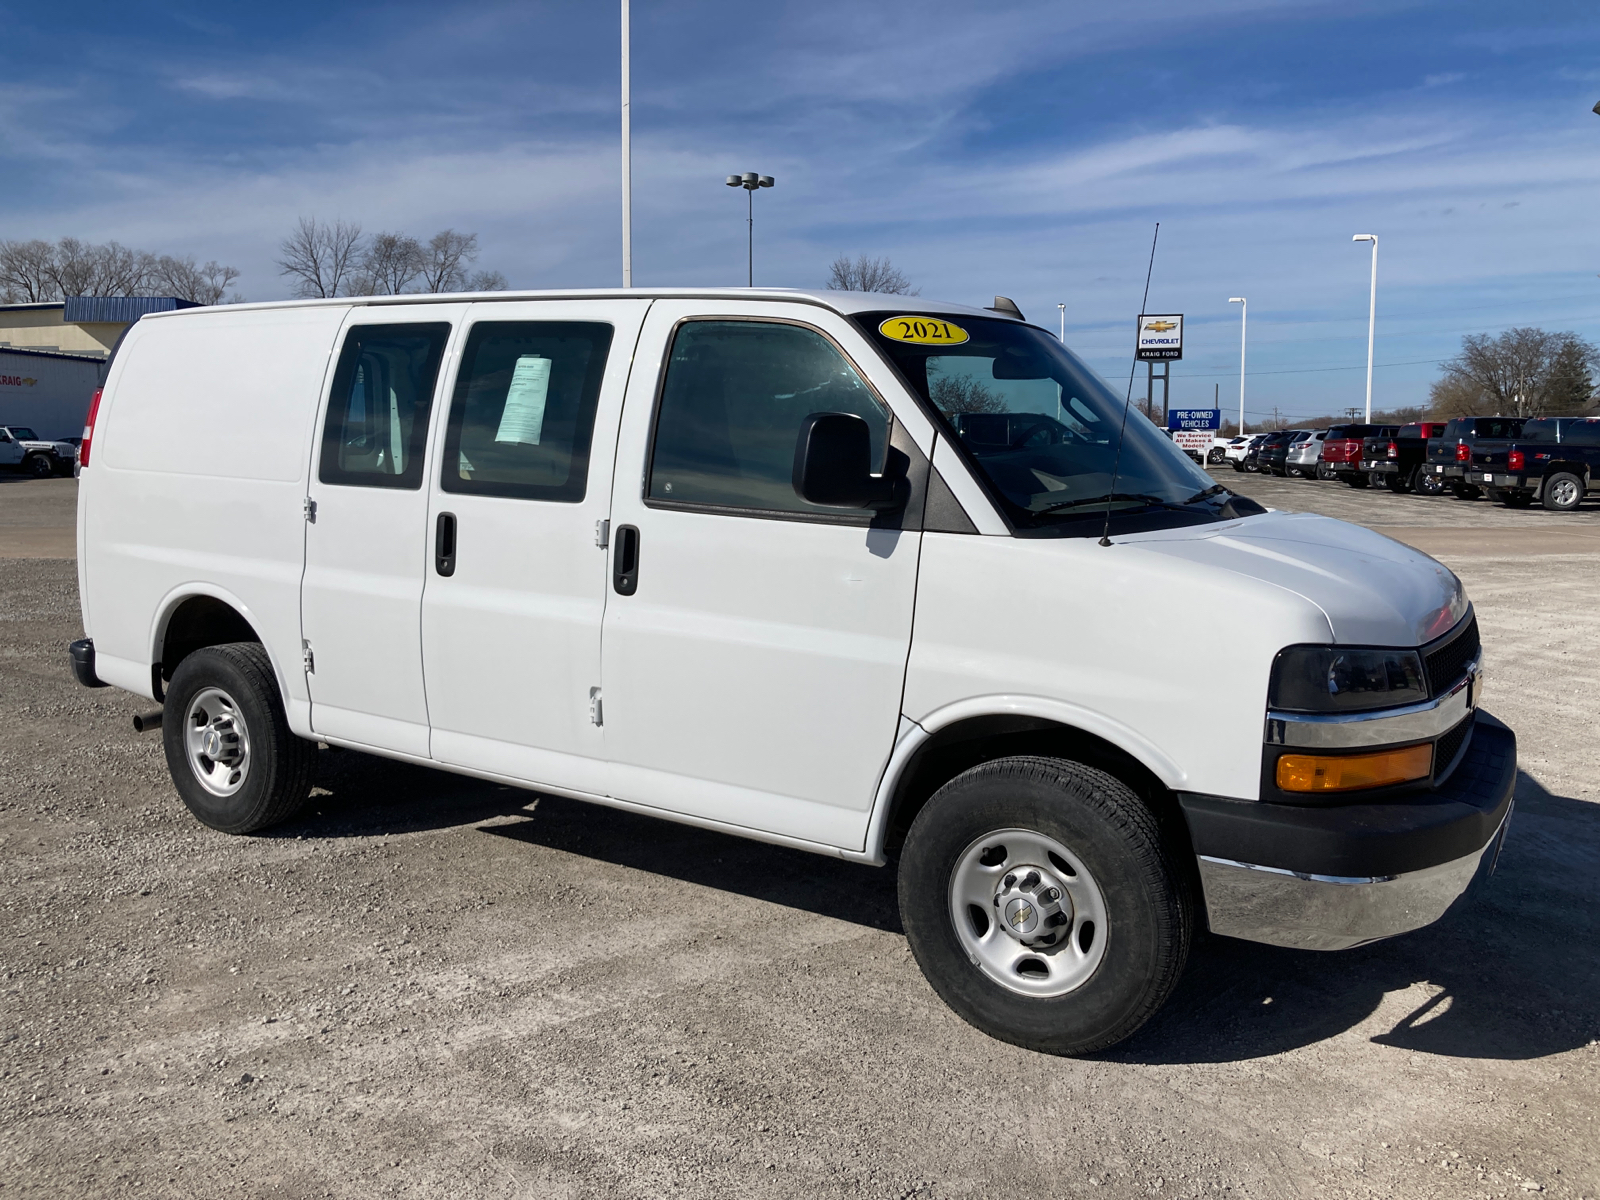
1450	454
1555	461
1342	449
1400	463
20	447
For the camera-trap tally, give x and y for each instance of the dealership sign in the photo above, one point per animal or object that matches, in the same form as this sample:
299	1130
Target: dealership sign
1194	418
1160	336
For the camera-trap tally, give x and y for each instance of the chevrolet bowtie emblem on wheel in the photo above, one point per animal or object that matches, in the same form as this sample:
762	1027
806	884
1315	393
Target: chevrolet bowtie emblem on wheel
1161	326
1022	916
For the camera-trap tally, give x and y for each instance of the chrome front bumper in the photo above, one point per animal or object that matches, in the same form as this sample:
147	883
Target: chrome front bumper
1334	912
1335	875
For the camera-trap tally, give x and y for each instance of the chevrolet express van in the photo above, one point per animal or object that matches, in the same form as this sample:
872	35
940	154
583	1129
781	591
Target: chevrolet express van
877	577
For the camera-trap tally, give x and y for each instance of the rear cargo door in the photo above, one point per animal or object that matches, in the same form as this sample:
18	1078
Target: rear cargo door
367	536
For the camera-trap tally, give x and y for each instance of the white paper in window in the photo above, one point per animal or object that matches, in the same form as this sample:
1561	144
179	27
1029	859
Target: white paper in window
522	419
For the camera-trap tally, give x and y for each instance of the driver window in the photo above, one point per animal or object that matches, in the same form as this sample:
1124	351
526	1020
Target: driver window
734	398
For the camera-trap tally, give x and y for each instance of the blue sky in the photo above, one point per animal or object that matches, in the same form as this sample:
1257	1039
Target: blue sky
1021	148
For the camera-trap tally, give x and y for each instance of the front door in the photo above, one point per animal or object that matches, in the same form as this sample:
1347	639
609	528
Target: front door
755	645
516	586
367	534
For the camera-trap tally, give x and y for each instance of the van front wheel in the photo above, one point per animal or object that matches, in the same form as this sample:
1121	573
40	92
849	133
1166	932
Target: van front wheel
232	757
1042	906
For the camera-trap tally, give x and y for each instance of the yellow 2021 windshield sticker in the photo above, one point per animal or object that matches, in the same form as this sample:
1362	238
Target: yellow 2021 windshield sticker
924	331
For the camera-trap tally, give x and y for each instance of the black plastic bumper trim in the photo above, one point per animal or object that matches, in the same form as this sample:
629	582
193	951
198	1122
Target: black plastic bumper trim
81	652
1388	838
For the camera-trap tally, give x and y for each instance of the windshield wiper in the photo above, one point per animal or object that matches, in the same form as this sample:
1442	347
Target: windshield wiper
1210	491
1108	498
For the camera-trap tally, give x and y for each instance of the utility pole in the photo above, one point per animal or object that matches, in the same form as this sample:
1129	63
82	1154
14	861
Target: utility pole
627	160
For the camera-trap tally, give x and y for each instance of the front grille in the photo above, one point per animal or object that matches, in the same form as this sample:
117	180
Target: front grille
1447	659
1447	748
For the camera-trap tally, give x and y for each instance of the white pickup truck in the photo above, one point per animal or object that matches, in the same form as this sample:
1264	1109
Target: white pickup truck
22	448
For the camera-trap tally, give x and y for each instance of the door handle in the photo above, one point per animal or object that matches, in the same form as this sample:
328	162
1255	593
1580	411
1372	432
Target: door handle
625	560
444	544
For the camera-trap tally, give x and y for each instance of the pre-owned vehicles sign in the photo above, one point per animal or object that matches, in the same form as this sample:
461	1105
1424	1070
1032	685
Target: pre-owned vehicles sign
1160	336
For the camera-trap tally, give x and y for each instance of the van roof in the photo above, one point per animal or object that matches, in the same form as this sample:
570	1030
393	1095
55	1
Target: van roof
844	303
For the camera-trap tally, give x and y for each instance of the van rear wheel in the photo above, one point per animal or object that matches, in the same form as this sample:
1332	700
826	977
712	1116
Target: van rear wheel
1042	906
232	757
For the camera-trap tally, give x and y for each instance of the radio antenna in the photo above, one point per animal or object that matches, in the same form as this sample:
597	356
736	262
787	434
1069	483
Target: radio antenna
1116	465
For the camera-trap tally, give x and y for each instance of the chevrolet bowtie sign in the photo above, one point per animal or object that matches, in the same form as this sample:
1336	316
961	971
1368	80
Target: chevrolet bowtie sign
1160	337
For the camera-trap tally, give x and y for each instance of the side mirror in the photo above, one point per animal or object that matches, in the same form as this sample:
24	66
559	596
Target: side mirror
833	464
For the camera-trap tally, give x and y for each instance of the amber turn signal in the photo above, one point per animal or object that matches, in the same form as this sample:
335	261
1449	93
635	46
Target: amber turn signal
1325	773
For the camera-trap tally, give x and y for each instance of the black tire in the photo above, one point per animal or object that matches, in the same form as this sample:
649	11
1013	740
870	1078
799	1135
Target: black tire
277	780
1357	480
1149	913
38	465
1425	483
1238	466
1563	492
1397	483
1516	499
1466	491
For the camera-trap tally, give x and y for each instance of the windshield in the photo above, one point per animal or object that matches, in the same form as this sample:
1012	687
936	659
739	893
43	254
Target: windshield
23	434
1044	430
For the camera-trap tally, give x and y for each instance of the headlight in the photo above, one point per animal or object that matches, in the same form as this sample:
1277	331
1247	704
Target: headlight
1336	679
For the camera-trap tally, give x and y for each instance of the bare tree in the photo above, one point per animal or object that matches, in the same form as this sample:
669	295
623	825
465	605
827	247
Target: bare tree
953	394
1453	396
25	271
321	259
37	270
82	269
180	277
445	260
1523	372
486	281
863	274
389	265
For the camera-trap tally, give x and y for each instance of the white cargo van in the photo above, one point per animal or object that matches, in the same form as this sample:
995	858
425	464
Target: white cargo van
877	577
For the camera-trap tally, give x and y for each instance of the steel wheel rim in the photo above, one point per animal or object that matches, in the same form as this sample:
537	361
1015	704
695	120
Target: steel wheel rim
217	742
990	877
1564	493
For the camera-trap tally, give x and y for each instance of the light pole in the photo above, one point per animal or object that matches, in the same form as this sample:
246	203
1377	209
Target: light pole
750	181
1063	309
627	161
1244	313
1372	313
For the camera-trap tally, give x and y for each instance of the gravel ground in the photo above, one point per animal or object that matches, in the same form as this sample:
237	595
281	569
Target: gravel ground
430	986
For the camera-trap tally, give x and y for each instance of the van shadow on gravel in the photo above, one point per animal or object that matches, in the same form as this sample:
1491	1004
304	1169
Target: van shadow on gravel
1509	973
360	795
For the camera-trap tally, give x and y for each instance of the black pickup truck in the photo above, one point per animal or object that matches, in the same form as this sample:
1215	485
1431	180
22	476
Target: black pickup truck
1450	454
1400	463
1556	461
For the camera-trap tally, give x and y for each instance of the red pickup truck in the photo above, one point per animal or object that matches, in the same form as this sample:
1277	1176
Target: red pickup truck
1341	452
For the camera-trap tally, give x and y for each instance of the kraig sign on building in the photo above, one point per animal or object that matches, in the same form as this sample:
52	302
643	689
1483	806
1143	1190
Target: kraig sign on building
1160	337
